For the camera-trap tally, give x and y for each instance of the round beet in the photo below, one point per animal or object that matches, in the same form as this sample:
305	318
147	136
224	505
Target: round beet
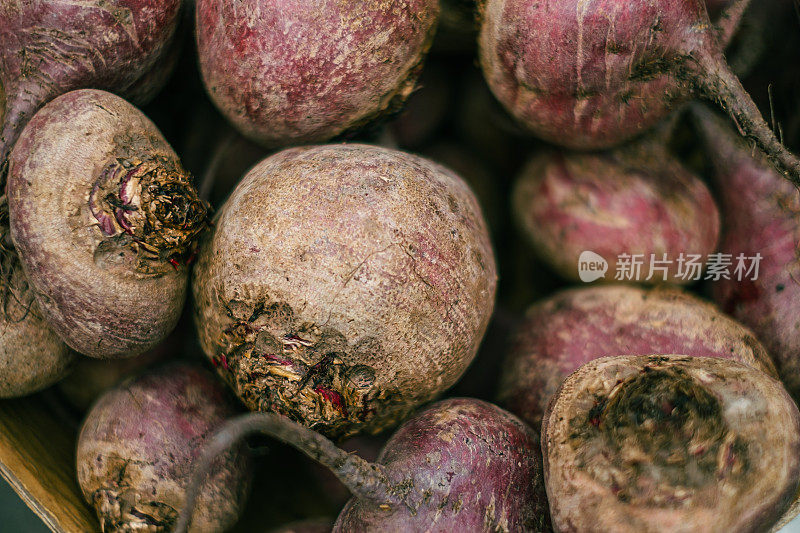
138	446
459	465
103	216
50	48
32	357
634	201
576	326
344	65
344	285
670	443
591	74
762	218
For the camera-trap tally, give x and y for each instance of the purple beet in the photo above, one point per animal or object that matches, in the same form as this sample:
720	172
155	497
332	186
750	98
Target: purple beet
49	48
636	200
761	214
138	447
286	72
459	465
590	74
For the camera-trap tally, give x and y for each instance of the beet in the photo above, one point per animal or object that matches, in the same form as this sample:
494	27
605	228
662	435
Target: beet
344	285
345	65
459	465
762	216
637	200
590	74
50	48
139	444
32	356
670	443
104	219
576	326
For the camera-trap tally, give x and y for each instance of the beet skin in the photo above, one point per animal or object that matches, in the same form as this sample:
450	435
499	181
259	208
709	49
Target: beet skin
576	326
286	72
670	443
104	219
344	285
633	200
138	446
761	214
49	48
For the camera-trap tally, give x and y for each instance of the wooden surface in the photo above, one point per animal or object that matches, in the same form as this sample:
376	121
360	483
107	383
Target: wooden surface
37	457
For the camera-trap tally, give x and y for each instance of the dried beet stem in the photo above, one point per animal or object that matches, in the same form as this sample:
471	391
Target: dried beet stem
364	479
717	81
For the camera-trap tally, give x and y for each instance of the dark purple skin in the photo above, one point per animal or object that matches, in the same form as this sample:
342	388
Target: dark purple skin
589	74
761	214
459	465
346	64
50	48
138	445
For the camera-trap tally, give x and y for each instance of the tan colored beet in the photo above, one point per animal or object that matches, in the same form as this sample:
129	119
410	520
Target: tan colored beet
32	357
103	217
576	326
286	72
138	447
670	443
345	284
638	200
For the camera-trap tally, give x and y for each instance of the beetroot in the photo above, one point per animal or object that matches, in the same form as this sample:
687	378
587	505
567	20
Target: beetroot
104	218
50	48
138	446
633	201
343	285
345	64
32	356
762	216
594	73
670	443
576	326
459	465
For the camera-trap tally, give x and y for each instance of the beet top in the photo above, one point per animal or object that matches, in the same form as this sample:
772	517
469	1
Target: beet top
104	219
345	284
670	443
459	465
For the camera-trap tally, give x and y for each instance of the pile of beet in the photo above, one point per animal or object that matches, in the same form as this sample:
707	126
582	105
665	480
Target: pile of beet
408	265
